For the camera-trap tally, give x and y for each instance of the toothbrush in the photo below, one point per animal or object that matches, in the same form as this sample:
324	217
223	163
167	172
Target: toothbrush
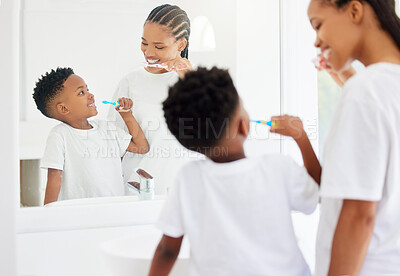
268	123
156	65
325	55
117	103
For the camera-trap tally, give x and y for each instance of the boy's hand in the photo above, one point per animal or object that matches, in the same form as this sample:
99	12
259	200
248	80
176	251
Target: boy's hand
125	105
288	126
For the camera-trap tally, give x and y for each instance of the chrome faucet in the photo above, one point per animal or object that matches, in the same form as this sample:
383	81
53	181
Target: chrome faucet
146	185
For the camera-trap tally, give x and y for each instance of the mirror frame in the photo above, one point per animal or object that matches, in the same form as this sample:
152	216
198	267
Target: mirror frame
9	53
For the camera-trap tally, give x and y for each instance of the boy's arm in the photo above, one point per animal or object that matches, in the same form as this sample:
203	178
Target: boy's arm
309	158
139	142
293	127
53	185
165	256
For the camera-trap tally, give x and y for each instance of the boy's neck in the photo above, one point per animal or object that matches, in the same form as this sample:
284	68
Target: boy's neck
80	124
225	154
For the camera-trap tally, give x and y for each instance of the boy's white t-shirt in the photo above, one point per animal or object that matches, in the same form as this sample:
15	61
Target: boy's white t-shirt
362	162
166	155
90	159
237	215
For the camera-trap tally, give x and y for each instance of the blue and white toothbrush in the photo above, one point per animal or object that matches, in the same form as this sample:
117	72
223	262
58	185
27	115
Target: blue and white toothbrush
113	103
268	123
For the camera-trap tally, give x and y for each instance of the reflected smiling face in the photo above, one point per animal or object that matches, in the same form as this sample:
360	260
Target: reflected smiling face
76	103
159	45
337	31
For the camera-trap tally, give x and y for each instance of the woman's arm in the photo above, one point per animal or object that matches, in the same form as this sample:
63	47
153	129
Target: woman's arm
165	256
352	236
293	127
139	142
53	185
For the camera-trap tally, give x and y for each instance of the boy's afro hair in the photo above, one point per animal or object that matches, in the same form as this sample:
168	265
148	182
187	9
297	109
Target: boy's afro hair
48	87
199	106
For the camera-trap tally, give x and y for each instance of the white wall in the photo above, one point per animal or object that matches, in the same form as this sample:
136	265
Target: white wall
222	14
299	77
300	97
258	69
9	134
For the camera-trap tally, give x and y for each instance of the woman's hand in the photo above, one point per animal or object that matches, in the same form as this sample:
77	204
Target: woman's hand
288	126
125	105
339	78
180	65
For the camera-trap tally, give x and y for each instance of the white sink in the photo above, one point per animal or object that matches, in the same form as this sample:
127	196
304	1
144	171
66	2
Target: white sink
132	256
98	200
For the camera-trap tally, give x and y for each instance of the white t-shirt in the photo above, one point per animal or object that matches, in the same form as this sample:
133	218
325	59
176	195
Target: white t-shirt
362	162
90	159
237	215
166	154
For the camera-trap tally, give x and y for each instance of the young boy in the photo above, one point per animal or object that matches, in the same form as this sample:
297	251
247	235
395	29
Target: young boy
235	211
83	157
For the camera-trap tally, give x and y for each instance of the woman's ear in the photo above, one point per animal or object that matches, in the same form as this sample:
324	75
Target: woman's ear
356	11
182	44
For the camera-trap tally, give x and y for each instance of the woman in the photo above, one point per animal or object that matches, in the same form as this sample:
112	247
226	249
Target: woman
165	44
359	230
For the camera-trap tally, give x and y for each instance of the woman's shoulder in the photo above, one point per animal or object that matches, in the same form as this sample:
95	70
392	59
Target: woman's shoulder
370	83
375	73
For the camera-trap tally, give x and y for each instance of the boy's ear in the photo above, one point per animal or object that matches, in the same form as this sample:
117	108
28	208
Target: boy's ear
244	126
62	109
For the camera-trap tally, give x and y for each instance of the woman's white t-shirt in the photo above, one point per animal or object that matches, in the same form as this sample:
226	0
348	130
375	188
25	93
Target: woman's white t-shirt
89	158
237	215
362	162
166	155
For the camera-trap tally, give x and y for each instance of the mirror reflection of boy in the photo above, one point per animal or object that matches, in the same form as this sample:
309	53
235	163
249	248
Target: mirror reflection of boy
83	157
235	210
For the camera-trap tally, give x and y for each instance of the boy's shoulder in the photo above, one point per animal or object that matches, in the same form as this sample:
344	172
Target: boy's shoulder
274	162
63	129
59	128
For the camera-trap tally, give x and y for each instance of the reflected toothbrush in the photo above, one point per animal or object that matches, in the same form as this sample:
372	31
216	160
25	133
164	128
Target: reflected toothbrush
113	103
155	65
268	123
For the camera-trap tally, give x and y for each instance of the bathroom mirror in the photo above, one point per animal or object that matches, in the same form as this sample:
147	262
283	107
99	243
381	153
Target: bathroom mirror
100	40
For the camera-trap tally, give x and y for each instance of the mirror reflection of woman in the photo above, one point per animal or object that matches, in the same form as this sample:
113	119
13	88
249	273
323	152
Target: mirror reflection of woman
165	44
